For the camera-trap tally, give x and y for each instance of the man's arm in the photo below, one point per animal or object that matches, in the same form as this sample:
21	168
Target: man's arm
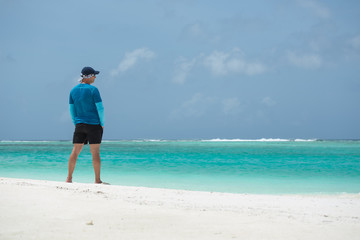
100	109
72	113
99	106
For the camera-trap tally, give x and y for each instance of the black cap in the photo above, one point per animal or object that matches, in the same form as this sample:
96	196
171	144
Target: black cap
88	71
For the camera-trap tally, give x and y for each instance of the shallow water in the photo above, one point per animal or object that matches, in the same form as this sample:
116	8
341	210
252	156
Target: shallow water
274	166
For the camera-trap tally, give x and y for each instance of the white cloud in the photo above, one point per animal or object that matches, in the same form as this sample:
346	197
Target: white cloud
315	7
183	67
194	107
216	62
309	61
221	63
268	102
195	30
131	58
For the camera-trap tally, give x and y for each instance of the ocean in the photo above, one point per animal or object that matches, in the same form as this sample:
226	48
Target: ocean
264	166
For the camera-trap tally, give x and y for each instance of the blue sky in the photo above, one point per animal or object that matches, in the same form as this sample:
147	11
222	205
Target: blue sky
183	69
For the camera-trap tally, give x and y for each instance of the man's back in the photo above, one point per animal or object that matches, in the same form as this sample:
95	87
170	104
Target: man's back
84	98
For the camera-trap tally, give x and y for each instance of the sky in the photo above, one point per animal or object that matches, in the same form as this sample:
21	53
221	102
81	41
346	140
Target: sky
172	69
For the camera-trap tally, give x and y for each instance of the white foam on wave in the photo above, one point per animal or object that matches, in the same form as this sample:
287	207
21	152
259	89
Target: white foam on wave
305	140
259	140
150	140
247	140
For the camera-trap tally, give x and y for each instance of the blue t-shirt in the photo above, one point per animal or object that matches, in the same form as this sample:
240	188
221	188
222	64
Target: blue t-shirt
86	105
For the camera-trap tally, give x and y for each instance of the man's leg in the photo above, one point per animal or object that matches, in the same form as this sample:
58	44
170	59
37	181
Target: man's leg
95	152
72	160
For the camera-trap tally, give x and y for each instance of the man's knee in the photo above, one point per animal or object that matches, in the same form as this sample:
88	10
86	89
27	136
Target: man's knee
95	149
95	154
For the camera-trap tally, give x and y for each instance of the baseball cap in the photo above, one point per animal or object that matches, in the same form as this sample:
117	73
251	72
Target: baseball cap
89	70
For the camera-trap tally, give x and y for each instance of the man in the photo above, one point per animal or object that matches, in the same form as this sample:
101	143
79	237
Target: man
87	113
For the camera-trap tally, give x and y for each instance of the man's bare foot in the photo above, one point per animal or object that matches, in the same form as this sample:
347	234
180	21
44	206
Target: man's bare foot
101	182
69	180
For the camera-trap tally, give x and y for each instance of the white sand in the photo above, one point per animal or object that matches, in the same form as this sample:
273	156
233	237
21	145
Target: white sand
31	209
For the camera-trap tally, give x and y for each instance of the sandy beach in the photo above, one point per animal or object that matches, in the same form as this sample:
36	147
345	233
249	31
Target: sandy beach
34	209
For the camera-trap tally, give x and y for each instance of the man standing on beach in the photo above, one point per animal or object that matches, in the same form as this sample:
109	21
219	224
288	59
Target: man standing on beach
87	113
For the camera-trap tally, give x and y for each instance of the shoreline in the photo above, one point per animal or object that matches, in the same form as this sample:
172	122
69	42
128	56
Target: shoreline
46	209
304	193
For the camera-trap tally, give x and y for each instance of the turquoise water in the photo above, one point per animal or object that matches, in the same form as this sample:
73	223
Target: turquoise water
272	167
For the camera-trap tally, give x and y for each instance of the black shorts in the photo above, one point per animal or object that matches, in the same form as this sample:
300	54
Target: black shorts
86	133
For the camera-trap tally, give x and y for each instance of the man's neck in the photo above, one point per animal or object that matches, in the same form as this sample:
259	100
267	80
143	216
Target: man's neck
86	81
